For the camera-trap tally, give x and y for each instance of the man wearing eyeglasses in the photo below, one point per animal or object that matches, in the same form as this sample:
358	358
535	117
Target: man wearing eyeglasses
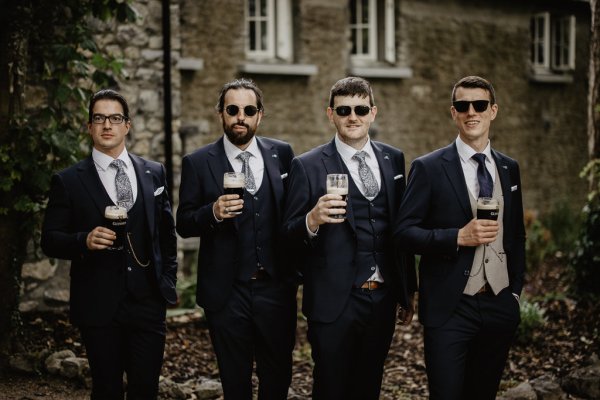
248	296
353	276
118	296
471	269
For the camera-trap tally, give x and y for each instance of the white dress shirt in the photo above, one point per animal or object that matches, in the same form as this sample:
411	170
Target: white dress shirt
469	165
256	162
107	174
347	152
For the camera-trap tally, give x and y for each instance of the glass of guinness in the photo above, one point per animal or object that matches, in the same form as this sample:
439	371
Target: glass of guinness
234	183
488	208
338	184
115	219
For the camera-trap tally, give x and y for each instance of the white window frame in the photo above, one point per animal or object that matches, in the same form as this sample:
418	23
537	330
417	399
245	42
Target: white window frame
379	27
278	36
558	53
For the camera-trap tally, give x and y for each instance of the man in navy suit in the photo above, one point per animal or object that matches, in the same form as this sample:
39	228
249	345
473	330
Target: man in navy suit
248	296
118	297
471	270
353	276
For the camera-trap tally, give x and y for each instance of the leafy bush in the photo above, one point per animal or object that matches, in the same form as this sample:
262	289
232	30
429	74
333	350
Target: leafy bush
539	241
532	319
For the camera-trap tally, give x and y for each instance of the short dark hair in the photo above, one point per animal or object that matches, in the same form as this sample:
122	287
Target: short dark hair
108	94
241	83
351	86
474	82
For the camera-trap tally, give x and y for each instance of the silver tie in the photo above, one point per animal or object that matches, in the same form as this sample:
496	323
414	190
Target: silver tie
244	157
123	185
366	175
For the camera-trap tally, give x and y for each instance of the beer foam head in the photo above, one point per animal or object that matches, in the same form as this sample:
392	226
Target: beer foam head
487	203
234	180
337	190
115	212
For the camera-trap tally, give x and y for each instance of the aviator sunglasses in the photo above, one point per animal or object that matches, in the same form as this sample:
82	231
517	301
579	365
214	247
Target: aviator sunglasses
233	110
344	111
478	105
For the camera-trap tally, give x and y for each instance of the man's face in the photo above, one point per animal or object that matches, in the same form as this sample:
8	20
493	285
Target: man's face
109	138
352	129
473	126
240	127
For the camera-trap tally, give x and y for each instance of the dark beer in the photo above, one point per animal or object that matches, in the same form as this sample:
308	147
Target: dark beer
488	208
234	183
115	219
338	184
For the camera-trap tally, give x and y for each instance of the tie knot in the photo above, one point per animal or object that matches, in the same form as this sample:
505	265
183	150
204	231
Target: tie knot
244	156
480	158
360	155
118	164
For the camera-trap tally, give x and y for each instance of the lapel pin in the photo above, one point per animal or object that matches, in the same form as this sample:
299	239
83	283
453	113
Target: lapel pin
274	156
386	157
147	171
505	167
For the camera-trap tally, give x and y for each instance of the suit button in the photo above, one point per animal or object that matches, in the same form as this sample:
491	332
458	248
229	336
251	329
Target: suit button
467	272
129	269
373	220
255	197
372	268
257	214
487	260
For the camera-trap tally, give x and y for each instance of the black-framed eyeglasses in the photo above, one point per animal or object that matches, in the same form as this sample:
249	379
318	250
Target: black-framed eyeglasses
344	111
478	105
249	111
113	118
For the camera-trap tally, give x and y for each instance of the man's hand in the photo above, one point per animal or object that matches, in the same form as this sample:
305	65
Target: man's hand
322	213
405	315
100	238
478	231
227	204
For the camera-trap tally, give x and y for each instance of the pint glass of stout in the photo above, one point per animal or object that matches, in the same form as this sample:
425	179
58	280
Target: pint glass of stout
488	208
115	219
338	184
234	183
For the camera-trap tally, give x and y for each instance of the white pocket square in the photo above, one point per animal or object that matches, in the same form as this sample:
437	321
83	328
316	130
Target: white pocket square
159	191
514	188
283	176
398	177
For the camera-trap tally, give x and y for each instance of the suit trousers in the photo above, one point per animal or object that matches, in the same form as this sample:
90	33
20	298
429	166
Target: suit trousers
465	357
133	343
349	353
257	323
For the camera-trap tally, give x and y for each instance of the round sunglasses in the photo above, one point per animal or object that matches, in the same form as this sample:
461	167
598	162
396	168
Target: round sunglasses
233	110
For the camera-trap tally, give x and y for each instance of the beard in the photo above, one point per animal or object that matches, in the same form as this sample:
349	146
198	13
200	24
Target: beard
239	139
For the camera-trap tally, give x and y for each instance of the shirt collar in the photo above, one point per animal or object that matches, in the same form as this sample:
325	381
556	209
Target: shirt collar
103	160
347	151
466	152
232	151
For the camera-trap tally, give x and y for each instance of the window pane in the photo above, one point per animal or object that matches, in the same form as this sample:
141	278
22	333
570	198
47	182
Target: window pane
263	8
252	32
353	6
365	41
263	35
365	11
540	53
251	8
354	40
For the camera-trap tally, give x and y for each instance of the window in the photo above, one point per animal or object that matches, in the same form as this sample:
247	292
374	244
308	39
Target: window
552	43
373	31
269	29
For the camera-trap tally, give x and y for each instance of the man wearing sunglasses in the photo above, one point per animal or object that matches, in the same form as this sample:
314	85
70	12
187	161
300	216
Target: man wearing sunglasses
248	297
353	276
118	295
471	270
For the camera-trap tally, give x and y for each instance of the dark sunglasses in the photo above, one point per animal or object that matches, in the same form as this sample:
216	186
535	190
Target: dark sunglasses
478	105
344	111
233	110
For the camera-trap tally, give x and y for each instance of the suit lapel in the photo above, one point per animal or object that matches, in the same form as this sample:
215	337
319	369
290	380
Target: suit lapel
387	175
146	183
271	160
456	177
92	183
218	164
332	161
504	175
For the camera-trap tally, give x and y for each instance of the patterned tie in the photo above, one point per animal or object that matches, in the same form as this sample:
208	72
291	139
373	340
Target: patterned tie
366	175
486	184
124	192
244	157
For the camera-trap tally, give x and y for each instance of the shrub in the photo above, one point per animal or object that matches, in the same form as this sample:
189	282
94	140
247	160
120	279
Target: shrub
532	319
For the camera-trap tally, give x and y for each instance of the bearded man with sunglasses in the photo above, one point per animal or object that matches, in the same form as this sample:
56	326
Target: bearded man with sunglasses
471	270
353	276
249	298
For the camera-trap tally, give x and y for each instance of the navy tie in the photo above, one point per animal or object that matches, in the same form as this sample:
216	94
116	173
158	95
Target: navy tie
123	185
486	184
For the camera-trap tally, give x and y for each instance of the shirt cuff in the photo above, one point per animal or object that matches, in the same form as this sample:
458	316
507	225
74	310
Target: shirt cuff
310	234
213	211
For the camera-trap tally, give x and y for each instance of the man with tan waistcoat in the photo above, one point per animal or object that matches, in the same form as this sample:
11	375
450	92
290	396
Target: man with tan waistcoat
471	269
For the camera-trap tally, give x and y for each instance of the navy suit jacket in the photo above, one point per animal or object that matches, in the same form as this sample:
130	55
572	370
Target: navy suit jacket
75	207
327	260
436	205
201	184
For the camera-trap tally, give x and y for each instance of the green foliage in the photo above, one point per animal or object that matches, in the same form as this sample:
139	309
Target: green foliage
585	262
538	245
187	292
532	319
